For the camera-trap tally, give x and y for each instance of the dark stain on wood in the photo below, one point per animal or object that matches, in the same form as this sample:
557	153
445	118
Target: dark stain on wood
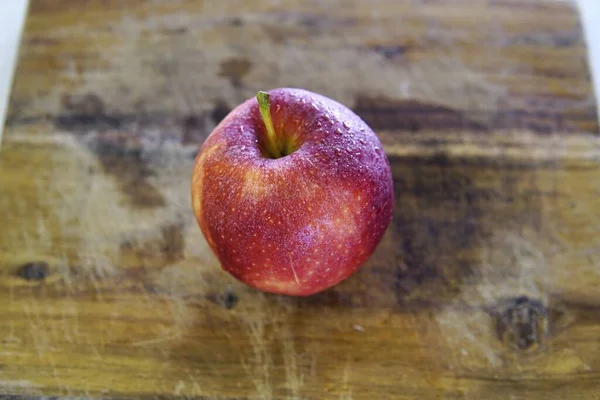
519	5
539	121
162	250
34	271
548	39
236	21
85	111
82	115
228	299
194	130
220	110
173	243
14	113
382	113
315	23
564	312
424	240
234	69
174	31
40	41
130	166
521	323
445	209
391	52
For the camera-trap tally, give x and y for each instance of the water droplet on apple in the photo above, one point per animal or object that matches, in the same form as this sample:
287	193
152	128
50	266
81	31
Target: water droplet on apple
362	141
314	105
243	147
346	124
377	150
338	131
242	128
278	107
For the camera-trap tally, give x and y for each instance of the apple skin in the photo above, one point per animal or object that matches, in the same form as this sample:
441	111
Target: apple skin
302	223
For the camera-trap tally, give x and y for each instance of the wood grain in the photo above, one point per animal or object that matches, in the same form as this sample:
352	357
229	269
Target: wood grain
486	285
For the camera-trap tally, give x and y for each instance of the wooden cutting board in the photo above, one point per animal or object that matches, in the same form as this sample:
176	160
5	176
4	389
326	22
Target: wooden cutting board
486	285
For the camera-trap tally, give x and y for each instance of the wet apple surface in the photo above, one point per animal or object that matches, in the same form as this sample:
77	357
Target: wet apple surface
297	204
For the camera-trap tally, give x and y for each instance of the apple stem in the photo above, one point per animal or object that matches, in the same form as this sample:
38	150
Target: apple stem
265	111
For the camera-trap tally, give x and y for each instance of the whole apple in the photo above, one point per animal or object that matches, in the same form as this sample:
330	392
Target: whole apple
292	191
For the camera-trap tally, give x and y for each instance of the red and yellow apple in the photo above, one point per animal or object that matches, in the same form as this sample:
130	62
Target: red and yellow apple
292	191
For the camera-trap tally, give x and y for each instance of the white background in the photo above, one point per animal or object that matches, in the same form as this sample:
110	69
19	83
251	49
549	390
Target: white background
12	15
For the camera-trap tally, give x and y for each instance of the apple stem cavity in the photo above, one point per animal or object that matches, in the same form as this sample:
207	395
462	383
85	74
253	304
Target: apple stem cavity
264	106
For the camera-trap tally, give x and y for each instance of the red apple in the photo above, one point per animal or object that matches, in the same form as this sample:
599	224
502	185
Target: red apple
293	194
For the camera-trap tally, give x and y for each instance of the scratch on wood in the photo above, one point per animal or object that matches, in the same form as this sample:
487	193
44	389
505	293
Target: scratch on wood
346	390
293	376
179	388
150	342
196	389
260	365
11	339
95	351
19	386
39	335
20	383
179	313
